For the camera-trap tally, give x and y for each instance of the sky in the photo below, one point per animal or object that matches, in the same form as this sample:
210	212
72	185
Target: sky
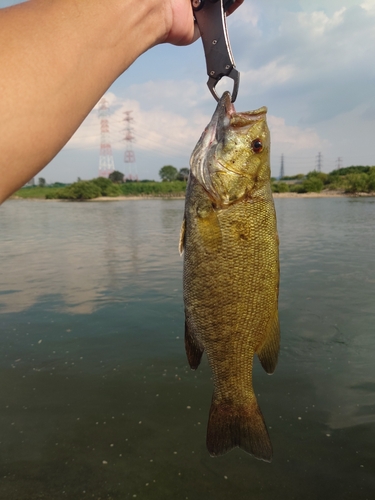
310	62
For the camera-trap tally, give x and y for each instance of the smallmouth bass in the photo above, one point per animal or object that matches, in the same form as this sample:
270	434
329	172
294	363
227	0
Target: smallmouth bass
231	272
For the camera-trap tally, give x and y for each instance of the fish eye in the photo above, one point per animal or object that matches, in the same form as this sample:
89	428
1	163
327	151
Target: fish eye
257	146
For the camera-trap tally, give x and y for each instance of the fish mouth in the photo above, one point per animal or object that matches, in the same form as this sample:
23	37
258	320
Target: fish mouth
226	116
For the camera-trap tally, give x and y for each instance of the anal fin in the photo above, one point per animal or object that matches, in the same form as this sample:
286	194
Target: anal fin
193	348
269	351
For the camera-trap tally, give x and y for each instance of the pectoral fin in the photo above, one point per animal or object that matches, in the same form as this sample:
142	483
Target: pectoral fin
269	350
209	229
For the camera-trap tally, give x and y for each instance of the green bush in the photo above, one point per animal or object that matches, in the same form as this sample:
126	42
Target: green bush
50	196
86	190
153	188
335	181
313	185
280	187
82	190
371	180
112	191
105	185
293	177
297	188
318	175
356	183
350	170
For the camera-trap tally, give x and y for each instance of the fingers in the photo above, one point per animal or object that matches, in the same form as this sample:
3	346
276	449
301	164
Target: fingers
181	32
230	11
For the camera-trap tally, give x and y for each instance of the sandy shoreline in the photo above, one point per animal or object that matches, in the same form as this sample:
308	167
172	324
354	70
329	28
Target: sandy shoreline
103	198
322	194
132	198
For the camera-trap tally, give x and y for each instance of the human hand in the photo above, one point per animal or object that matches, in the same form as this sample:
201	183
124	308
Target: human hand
180	26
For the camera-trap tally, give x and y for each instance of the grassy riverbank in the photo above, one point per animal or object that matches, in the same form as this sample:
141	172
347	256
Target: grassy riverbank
98	188
35	192
356	180
349	180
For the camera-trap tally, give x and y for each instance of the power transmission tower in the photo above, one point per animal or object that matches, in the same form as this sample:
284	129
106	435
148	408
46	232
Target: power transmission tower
338	163
319	162
129	156
282	173
106	163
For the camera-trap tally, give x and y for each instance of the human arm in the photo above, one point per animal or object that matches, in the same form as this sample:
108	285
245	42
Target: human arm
60	55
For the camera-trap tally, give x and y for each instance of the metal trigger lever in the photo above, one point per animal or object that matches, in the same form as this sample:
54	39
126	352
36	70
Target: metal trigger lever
211	21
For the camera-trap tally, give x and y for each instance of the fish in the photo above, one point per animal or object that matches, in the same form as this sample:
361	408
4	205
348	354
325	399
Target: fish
230	248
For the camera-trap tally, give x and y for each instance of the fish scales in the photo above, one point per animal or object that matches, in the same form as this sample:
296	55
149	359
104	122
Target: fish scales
231	272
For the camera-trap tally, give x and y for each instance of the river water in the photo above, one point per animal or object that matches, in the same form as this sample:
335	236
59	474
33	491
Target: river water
96	398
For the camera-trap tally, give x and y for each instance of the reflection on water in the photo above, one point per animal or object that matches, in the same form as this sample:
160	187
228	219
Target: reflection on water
96	400
86	254
328	291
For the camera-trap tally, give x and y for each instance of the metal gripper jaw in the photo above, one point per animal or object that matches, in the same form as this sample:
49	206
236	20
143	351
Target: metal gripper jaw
211	20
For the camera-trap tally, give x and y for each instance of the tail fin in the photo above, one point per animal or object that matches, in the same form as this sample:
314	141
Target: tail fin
230	426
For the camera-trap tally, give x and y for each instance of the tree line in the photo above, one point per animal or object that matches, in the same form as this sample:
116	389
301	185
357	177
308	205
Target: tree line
168	173
354	179
87	190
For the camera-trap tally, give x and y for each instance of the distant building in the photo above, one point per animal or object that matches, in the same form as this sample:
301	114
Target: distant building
30	183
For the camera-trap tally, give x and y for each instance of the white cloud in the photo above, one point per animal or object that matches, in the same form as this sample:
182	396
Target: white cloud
164	131
249	14
369	6
309	65
111	99
174	94
318	22
273	73
292	138
155	129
